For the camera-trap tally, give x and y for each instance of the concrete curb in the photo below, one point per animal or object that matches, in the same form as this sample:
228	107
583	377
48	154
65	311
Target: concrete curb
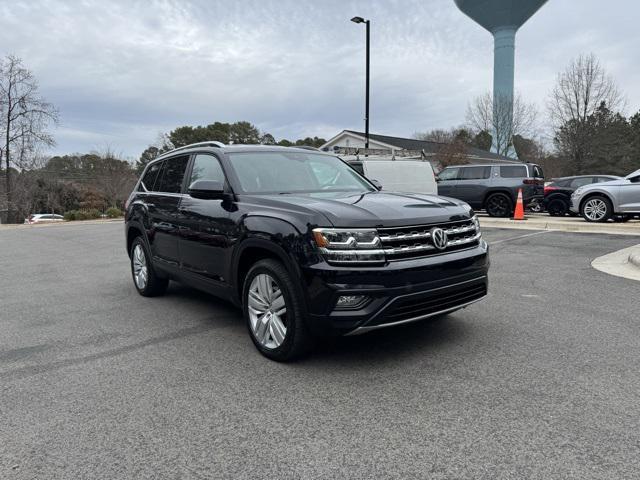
634	258
537	223
95	221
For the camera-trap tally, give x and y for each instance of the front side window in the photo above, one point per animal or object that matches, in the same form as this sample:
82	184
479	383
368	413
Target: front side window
170	179
449	174
206	167
295	172
537	172
513	171
149	179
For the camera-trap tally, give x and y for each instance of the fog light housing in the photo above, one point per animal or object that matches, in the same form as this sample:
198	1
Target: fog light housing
350	302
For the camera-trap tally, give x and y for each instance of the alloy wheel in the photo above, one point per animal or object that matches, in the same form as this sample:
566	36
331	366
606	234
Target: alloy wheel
267	311
595	209
498	206
140	269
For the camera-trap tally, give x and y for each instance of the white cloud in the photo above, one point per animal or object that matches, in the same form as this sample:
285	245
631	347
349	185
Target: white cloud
122	71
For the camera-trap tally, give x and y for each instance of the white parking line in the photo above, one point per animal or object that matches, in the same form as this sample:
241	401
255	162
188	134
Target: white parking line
519	236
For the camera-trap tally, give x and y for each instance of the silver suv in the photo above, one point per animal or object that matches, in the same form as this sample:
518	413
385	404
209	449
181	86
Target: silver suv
599	202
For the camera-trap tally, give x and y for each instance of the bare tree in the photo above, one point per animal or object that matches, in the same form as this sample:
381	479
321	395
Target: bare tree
25	117
504	117
580	89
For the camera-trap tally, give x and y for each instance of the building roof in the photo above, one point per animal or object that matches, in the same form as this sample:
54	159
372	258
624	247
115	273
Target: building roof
433	147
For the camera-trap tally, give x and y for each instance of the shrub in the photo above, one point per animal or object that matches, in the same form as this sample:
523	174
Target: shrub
71	215
113	212
92	213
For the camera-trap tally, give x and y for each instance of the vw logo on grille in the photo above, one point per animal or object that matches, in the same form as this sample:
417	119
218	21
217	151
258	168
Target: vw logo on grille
439	238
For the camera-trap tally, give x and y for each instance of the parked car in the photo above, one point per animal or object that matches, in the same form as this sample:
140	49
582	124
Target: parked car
301	242
599	202
493	188
400	175
43	218
557	193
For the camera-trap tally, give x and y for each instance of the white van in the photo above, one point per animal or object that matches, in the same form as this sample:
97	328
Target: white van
401	175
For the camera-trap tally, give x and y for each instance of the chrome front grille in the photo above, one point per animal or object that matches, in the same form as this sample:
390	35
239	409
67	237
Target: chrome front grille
413	242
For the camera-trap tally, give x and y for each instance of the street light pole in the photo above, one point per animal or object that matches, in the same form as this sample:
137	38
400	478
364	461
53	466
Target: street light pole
366	108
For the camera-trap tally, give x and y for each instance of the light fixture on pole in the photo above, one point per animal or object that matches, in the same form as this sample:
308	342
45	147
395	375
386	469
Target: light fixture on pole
366	109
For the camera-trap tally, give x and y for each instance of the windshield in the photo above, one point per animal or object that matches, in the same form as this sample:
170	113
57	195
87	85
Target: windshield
632	175
295	172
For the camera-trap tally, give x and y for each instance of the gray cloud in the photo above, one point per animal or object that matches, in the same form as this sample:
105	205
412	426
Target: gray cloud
123	71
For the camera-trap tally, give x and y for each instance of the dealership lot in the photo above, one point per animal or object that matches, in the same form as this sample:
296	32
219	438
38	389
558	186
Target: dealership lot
540	380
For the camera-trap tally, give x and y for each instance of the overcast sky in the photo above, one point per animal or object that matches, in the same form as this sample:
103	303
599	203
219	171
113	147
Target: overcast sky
121	72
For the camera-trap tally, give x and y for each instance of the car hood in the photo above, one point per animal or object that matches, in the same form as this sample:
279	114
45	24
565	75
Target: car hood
373	209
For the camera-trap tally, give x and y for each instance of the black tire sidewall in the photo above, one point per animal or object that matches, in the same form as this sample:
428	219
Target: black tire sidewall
558	212
509	203
295	312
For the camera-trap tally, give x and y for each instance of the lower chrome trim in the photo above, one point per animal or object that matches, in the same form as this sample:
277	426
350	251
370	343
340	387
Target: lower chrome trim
365	329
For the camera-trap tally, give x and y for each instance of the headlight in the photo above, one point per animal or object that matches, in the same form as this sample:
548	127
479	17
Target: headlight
476	222
349	245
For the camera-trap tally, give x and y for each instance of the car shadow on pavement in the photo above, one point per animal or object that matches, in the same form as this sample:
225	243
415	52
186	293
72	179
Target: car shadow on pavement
403	341
394	343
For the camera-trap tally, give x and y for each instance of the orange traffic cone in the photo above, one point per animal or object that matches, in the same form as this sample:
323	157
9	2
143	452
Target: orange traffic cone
519	213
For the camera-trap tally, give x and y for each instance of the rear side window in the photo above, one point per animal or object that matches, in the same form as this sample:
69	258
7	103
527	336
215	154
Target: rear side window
579	182
449	174
172	175
475	173
513	171
149	179
602	179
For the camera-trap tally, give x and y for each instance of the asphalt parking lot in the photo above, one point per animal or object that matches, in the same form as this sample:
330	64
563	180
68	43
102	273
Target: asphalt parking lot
541	380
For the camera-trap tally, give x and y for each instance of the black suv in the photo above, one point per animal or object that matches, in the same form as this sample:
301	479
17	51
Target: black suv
300	241
493	188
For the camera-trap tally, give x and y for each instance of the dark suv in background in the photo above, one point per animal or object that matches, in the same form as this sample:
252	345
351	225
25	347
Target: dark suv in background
300	241
493	188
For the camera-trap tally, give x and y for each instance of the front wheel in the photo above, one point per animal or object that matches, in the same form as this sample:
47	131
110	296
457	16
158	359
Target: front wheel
274	312
596	209
498	205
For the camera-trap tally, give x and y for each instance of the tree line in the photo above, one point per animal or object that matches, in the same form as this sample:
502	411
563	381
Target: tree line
242	132
586	132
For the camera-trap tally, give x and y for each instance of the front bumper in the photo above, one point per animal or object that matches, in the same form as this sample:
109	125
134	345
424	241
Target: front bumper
398	292
574	204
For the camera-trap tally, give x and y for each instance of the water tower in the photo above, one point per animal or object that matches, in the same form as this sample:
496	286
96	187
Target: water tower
502	18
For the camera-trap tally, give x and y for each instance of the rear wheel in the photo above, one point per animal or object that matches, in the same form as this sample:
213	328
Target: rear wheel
558	208
596	209
499	205
273	310
145	279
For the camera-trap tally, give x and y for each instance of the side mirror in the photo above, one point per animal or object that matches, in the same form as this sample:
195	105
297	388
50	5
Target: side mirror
206	189
376	184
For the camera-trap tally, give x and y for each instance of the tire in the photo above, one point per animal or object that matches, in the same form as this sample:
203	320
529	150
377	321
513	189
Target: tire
271	303
596	209
151	285
558	208
499	205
